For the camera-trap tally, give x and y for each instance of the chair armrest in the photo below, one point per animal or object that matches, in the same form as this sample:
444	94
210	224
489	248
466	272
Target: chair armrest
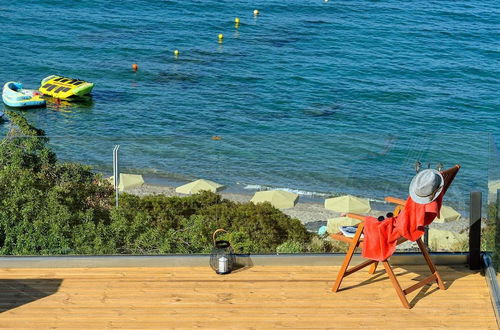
395	200
356	216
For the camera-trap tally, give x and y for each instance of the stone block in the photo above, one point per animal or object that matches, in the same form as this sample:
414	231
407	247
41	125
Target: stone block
445	240
334	224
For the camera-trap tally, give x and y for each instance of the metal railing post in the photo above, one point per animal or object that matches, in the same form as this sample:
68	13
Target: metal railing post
116	172
475	230
426	236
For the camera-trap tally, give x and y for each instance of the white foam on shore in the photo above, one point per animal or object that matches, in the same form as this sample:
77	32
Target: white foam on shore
253	187
259	187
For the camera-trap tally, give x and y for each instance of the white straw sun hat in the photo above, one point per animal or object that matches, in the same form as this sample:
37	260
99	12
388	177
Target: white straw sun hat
426	186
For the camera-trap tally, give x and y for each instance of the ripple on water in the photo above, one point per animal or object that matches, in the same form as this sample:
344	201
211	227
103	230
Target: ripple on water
359	80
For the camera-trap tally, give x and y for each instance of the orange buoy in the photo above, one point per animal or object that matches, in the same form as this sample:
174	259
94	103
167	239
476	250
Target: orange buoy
216	138
135	67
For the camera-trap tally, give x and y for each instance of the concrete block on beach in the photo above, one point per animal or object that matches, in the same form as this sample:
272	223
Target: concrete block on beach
278	198
128	181
445	240
334	223
198	186
447	214
493	186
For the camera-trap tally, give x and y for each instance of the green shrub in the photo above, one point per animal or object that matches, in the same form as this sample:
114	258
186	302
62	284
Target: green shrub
44	202
290	247
192	220
489	230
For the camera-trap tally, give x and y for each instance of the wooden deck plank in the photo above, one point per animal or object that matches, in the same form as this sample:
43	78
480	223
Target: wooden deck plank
257	297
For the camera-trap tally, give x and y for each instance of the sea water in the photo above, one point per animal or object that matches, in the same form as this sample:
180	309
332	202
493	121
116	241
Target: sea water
312	96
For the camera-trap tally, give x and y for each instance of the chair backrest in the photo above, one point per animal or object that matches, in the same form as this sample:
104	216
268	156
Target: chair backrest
448	176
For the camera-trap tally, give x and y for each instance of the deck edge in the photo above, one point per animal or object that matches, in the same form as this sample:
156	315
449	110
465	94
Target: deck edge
192	260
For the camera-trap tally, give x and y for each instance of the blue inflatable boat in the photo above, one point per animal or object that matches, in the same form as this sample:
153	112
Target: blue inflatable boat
15	96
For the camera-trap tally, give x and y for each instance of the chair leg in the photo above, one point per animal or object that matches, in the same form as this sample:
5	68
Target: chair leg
343	269
352	247
431	265
373	268
395	284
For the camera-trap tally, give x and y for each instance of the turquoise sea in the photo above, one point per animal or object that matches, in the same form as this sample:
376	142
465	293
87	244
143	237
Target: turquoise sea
326	97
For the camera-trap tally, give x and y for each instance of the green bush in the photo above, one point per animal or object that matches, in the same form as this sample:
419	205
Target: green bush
489	230
160	224
44	202
290	247
48	207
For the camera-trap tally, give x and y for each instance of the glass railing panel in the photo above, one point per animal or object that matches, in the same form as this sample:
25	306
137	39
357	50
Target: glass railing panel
491	234
313	166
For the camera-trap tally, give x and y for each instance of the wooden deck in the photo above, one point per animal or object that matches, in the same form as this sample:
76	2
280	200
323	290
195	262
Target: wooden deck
257	297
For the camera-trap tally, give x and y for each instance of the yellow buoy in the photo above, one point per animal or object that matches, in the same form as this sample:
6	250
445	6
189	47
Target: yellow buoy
237	20
256	12
176	52
221	36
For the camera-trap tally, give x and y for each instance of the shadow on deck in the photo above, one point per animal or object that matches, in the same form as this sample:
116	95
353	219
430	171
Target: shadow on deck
18	292
253	297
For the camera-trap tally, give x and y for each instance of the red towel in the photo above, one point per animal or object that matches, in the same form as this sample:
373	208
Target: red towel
381	236
414	217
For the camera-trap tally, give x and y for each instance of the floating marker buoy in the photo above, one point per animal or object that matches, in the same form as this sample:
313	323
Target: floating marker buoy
216	138
256	12
221	36
237	20
135	67
176	52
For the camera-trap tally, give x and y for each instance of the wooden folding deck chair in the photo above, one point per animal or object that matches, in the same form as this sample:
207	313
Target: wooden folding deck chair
357	241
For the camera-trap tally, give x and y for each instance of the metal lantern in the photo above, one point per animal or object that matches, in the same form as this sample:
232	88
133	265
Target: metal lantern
222	258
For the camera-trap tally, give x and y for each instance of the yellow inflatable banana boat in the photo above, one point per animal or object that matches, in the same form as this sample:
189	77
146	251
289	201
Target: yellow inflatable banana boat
65	88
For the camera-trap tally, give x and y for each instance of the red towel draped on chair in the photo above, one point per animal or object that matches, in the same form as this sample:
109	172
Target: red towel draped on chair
414	217
381	236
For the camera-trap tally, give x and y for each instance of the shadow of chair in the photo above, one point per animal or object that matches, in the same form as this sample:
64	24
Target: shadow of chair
17	292
449	273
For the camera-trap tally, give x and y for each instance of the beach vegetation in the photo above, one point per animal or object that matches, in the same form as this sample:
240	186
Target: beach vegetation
44	202
290	247
488	231
161	224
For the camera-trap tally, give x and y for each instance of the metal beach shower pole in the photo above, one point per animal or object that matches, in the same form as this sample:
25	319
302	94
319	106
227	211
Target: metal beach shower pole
116	172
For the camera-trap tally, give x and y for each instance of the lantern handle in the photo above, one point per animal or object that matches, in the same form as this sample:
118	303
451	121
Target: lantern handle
215	233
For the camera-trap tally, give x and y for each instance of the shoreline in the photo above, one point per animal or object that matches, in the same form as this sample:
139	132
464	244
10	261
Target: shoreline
245	188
